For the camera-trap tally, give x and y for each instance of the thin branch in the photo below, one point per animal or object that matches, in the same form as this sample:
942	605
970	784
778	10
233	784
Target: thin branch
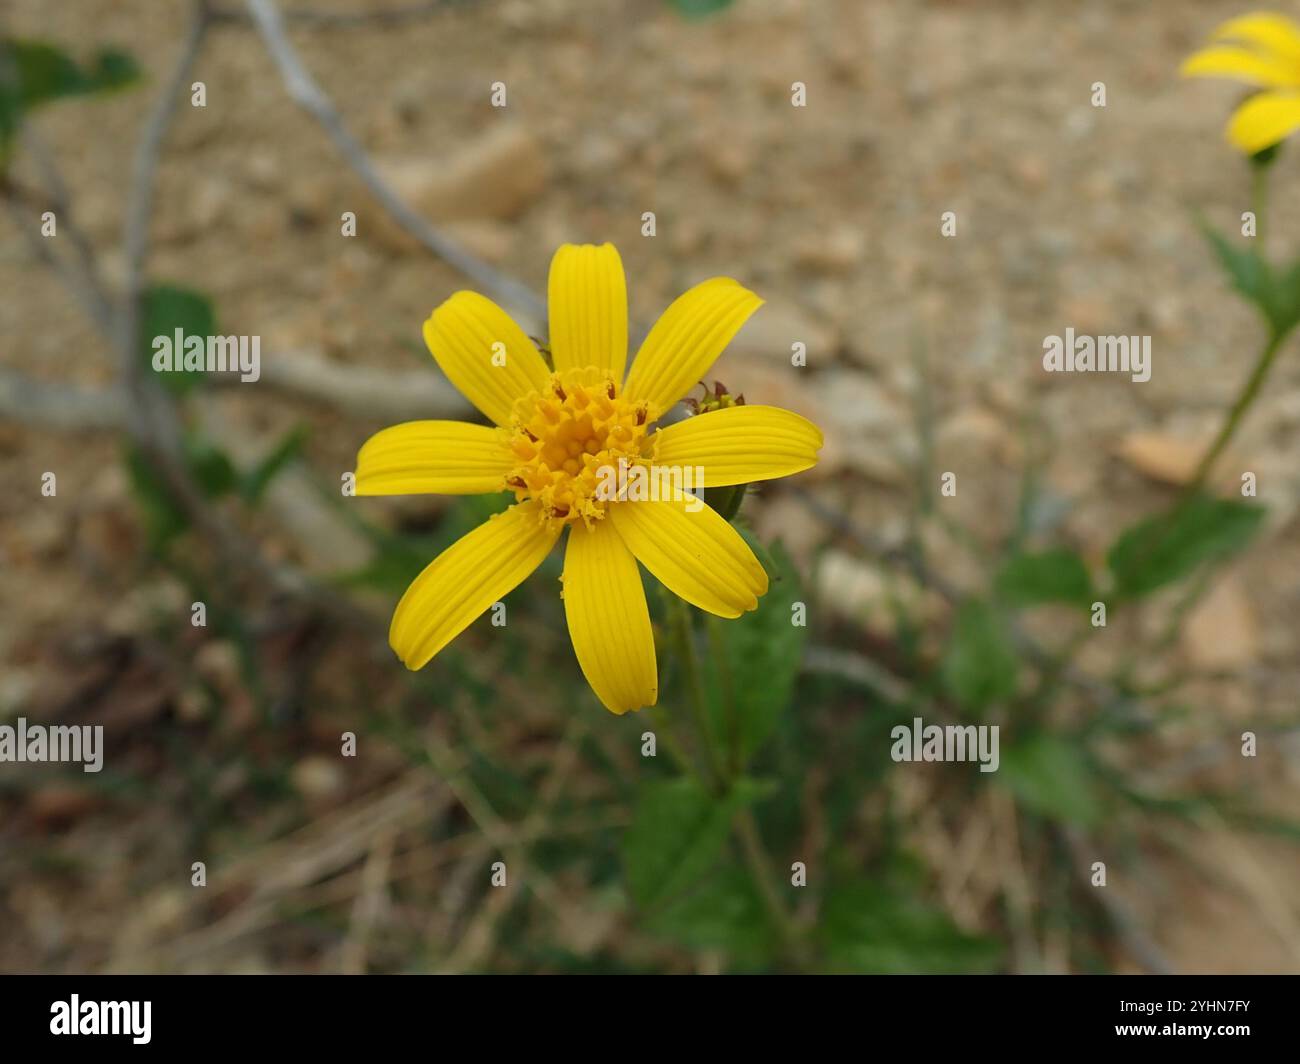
304	91
390	16
1127	926
97	289
152	419
93	302
363	390
43	404
135	241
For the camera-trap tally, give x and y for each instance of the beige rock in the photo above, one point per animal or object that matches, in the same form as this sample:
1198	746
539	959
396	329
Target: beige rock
496	176
1170	459
837	252
860	590
976	432
776	327
794	524
317	777
1221	632
728	159
488	240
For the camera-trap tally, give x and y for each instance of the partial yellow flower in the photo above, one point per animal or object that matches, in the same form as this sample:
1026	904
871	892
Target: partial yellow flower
555	434
1261	50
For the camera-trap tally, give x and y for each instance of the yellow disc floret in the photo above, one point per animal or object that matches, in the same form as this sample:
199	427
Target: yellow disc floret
566	440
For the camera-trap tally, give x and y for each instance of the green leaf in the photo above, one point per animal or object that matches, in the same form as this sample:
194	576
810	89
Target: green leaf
1052	777
112	70
980	665
255	482
725	912
33	73
1246	268
726	500
866	927
36	72
677	832
1163	549
1277	295
1057	575
213	471
164	518
763	650
164	308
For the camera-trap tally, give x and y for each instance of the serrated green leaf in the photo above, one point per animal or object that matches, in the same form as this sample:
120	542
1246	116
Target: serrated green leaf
1052	777
164	308
980	665
763	651
677	832
1163	549
1056	575
866	927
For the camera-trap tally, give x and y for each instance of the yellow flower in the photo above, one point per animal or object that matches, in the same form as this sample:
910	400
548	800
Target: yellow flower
1262	50
556	436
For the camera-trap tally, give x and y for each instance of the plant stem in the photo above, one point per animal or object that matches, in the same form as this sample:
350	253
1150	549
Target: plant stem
731	714
676	750
1259	198
760	867
695	685
751	843
1237	411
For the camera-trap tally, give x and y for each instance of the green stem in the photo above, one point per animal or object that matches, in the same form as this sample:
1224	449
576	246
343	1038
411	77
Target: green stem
676	750
760	867
1237	411
1259	198
727	689
695	687
751	843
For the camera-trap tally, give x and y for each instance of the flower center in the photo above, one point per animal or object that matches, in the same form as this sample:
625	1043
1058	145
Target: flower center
565	435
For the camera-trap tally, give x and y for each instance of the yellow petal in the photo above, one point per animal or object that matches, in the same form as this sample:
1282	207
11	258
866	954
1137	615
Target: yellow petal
687	339
439	457
465	579
609	623
586	302
740	444
693	552
1266	31
1241	64
1264	120
484	354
